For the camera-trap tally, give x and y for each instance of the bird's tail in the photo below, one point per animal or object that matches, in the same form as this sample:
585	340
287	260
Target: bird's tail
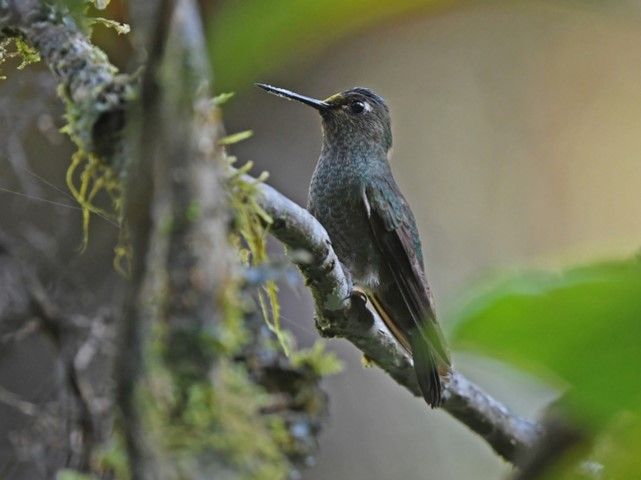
426	368
425	363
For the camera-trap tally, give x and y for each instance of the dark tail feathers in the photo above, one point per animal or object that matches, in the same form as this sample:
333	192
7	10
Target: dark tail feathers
429	380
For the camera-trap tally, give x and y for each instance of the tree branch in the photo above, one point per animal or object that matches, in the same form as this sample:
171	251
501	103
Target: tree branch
344	315
25	298
96	92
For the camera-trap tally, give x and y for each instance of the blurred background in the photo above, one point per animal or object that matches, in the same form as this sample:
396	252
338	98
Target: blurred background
516	141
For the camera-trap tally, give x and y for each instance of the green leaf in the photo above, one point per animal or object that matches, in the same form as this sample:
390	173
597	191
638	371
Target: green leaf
582	327
620	451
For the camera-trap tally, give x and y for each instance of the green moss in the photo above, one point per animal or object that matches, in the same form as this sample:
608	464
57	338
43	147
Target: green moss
120	28
87	177
235	137
251	229
193	212
196	415
318	359
222	98
110	460
67	474
220	418
24	52
78	10
231	334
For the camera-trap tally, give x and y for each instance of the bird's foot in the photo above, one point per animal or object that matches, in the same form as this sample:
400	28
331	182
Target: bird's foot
359	301
358	295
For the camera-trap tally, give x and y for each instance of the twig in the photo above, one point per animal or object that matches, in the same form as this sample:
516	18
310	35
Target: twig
20	334
343	315
11	399
57	326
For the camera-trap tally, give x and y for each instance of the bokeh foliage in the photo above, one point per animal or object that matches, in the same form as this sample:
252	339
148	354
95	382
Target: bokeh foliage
580	329
253	38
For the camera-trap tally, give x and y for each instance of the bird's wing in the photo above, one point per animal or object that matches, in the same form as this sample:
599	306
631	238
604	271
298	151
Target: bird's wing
394	233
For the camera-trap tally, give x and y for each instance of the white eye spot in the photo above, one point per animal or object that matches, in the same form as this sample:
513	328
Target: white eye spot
360	106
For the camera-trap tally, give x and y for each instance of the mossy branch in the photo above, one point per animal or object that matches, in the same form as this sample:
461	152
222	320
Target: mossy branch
96	92
95	95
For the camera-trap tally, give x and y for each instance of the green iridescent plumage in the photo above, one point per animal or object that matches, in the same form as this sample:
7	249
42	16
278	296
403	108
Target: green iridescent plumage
372	229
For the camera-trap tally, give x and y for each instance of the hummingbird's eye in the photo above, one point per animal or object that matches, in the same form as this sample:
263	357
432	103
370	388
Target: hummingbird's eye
358	107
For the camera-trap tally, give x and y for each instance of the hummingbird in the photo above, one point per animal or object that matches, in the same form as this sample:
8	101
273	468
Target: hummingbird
371	226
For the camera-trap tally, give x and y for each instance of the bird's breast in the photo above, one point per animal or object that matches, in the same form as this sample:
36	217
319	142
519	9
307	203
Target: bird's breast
335	199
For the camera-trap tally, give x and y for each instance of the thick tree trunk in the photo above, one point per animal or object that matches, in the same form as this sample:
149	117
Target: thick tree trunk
198	387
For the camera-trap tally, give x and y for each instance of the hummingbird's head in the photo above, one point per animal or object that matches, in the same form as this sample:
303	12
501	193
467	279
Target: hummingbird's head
356	116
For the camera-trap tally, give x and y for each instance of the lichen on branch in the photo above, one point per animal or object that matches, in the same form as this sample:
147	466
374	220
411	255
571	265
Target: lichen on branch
95	96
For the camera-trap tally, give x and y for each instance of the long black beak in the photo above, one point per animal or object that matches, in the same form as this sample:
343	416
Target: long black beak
281	92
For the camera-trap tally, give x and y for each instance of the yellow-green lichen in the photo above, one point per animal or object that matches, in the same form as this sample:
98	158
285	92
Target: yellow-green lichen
110	460
26	53
22	51
87	176
235	137
220	418
120	28
251	229
231	334
212	414
79	10
222	98
68	474
318	359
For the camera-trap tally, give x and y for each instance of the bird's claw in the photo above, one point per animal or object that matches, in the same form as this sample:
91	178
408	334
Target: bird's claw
358	295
